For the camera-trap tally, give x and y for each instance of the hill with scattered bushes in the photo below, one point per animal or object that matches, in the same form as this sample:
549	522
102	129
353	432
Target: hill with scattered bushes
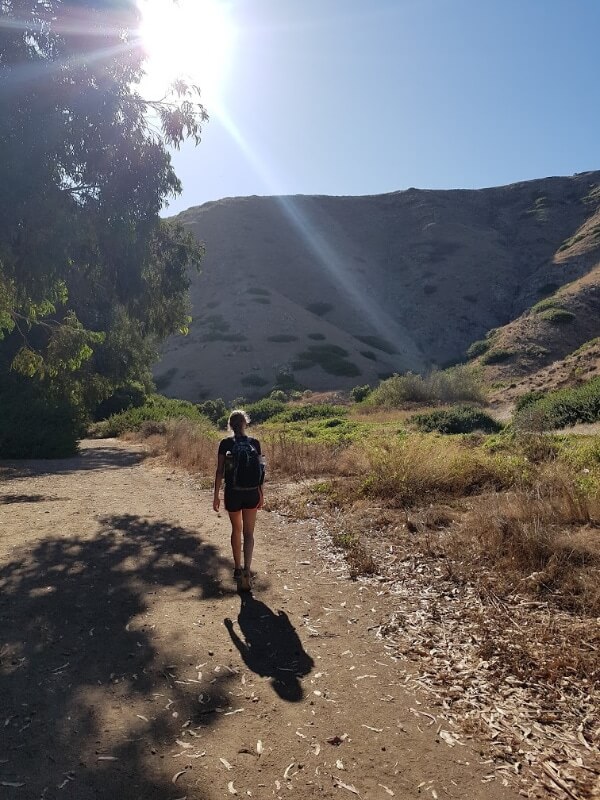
333	292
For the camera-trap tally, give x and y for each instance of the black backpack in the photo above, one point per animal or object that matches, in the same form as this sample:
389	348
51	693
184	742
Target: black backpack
246	469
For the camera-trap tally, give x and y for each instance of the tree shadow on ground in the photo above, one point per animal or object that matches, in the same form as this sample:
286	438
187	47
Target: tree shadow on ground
271	647
90	690
99	457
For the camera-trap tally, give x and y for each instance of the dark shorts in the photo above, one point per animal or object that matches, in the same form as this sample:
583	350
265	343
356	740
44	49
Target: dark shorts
236	500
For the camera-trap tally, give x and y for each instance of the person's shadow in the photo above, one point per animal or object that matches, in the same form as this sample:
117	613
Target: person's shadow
271	647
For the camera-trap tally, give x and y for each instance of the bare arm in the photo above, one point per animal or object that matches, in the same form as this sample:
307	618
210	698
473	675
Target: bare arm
218	480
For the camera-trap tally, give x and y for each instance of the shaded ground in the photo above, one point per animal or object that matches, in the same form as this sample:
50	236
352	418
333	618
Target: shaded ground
130	669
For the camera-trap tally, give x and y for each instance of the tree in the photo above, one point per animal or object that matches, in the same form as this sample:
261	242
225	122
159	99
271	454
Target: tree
90	277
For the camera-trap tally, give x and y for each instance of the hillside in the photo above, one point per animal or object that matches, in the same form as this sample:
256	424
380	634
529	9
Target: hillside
336	291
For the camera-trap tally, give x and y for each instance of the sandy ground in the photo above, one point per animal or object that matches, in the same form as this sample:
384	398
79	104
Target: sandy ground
130	668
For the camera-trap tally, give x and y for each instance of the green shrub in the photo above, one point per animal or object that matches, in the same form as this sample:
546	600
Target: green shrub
478	348
253	380
319	308
329	357
264	409
558	316
378	343
279	395
282	337
368	354
310	411
121	399
459	419
286	381
359	393
497	356
156	409
528	399
460	383
34	423
563	407
318	337
213	409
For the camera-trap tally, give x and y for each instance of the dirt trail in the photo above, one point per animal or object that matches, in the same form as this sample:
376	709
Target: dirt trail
129	668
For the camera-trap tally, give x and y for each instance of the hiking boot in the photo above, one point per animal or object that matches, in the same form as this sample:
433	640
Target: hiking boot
238	574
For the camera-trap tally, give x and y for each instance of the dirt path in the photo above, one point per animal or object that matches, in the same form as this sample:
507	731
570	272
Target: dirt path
129	668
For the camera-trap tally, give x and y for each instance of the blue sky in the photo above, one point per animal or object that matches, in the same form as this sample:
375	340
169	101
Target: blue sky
350	97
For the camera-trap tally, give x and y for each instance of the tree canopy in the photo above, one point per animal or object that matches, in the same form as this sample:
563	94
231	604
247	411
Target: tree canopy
91	277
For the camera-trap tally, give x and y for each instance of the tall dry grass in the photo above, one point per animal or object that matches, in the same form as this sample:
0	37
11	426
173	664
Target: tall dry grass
543	540
194	447
418	469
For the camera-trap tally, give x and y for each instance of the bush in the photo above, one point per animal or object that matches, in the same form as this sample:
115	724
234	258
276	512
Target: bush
359	393
368	354
563	407
558	316
282	337
459	419
418	469
528	399
123	398
156	408
460	383
310	411
213	409
264	409
546	304
329	357
497	356
36	424
278	395
478	348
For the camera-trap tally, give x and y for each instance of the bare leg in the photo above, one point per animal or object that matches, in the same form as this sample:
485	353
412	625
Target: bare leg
236	537
249	521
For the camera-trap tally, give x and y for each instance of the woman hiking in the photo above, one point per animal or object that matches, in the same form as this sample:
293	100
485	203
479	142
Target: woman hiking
240	462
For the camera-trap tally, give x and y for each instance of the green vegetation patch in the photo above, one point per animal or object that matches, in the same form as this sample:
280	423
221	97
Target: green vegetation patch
457	384
378	343
311	411
329	357
478	348
561	408
265	409
458	419
546	304
156	409
368	354
282	338
558	316
34	424
497	356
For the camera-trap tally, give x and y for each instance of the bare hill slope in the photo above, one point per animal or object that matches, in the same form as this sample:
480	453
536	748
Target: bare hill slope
337	291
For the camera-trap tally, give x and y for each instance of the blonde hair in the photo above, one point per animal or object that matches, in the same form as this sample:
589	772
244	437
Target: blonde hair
236	418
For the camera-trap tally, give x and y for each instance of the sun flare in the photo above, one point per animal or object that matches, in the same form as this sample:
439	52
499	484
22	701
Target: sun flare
189	39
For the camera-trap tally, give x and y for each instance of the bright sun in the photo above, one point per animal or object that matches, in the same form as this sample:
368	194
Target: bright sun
190	39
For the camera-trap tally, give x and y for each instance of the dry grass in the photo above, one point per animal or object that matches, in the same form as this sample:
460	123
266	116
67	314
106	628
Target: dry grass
193	447
543	541
419	469
290	457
